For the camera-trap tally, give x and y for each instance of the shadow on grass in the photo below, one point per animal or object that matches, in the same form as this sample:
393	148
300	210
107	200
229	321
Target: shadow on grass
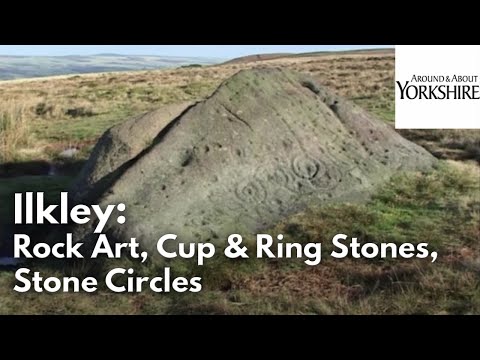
66	167
30	176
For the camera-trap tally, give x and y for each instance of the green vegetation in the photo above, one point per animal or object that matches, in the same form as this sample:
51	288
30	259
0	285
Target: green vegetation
441	208
382	106
14	131
191	66
75	110
52	186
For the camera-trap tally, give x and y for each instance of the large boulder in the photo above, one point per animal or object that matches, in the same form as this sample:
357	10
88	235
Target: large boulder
267	143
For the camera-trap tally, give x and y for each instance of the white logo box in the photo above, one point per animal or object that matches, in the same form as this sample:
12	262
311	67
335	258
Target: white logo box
437	61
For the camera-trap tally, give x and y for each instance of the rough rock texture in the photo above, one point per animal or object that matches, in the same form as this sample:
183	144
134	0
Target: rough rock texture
267	143
121	144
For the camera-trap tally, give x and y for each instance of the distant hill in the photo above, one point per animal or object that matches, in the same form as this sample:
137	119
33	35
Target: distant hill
18	67
258	57
264	57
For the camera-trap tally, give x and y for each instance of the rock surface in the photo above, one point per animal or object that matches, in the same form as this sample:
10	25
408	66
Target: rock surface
267	143
121	144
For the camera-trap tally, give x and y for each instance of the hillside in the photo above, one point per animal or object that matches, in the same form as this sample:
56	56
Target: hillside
75	110
274	56
257	57
17	67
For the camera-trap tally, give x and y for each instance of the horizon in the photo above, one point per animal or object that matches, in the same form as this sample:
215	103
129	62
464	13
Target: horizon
199	51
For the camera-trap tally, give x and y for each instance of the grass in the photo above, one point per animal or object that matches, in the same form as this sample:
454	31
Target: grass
441	208
15	130
52	186
457	144
383	106
76	110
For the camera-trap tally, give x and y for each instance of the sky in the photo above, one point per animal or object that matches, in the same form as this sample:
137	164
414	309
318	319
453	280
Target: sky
211	51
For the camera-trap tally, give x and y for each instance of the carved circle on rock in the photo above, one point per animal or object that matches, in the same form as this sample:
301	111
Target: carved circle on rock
251	191
280	177
329	179
306	167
